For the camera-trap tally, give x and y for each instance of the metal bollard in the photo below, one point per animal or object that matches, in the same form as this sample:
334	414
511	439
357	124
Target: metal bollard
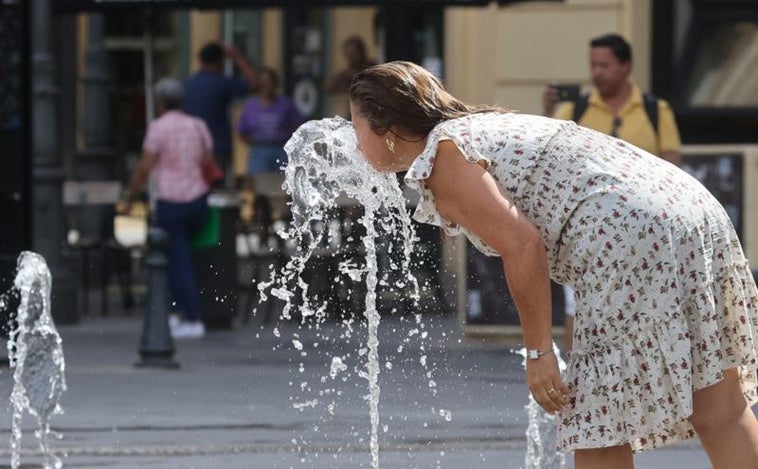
156	346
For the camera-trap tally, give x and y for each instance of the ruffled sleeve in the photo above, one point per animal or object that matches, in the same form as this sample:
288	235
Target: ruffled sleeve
459	131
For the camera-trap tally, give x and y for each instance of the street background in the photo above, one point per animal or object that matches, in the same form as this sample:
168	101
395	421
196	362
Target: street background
75	81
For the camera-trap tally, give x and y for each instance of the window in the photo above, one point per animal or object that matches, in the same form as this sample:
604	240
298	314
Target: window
723	67
246	34
705	59
126	48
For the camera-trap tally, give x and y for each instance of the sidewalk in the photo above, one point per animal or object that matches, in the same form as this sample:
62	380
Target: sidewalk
232	402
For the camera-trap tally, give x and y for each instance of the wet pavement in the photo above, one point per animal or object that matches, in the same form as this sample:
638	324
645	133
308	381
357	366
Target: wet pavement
252	398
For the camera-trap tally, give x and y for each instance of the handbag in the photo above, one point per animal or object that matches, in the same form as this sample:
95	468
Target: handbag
211	172
130	230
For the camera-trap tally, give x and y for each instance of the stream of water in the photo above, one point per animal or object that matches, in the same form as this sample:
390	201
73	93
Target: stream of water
541	433
36	353
324	174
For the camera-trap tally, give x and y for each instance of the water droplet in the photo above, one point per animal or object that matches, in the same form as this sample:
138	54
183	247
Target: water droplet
337	366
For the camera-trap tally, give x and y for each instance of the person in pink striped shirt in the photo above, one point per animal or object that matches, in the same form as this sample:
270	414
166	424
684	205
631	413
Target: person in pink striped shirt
176	146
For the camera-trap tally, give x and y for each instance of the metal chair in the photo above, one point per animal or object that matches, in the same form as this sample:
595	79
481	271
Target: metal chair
259	247
90	212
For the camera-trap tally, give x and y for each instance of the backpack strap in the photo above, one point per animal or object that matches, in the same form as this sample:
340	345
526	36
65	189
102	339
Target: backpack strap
651	109
580	107
649	100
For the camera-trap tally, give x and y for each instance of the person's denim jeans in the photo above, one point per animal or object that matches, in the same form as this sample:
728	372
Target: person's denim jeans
266	158
181	221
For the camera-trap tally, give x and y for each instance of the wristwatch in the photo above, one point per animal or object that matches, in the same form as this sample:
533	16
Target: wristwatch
535	354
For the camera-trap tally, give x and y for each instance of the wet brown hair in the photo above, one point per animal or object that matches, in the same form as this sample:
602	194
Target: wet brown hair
407	96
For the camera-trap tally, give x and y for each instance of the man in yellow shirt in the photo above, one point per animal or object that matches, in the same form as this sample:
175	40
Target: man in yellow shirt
616	105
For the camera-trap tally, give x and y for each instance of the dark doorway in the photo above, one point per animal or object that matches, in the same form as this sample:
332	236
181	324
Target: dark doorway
15	91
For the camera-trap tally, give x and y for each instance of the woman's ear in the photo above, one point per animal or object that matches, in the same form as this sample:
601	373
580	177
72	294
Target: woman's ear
396	133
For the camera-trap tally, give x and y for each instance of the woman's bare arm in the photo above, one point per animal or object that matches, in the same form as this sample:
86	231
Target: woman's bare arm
467	195
141	172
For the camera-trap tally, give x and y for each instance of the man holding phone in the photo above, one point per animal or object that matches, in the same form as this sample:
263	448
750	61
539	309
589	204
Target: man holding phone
616	105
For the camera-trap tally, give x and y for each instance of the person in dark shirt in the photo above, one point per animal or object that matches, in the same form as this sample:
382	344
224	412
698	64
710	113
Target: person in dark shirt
354	51
209	92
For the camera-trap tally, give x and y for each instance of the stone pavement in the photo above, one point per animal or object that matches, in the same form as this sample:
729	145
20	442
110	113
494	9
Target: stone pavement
254	398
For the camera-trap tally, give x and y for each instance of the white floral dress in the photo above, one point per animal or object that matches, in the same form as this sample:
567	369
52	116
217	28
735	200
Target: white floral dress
665	298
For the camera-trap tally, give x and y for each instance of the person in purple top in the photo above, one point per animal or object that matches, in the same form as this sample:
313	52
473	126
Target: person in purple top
208	94
266	122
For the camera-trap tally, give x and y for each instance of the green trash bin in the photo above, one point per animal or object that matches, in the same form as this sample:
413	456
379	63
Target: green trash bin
215	258
210	234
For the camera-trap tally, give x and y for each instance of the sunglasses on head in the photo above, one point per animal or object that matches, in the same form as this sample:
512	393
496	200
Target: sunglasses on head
615	127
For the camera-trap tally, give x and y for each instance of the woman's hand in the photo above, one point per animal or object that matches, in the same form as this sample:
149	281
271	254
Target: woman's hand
123	207
544	381
124	204
231	52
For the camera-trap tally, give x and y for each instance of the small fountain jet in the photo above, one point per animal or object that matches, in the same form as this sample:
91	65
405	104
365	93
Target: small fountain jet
36	353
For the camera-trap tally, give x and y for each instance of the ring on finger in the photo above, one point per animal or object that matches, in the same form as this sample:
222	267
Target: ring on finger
551	391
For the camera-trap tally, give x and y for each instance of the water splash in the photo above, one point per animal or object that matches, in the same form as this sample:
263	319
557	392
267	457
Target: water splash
36	353
325	169
541	433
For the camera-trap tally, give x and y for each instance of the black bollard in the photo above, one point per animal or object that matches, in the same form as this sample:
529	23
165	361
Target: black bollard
156	346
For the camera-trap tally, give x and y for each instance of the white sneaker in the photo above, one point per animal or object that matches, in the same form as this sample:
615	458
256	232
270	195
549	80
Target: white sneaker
173	321
189	330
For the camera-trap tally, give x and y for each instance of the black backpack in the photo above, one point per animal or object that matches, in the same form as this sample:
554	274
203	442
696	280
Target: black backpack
649	99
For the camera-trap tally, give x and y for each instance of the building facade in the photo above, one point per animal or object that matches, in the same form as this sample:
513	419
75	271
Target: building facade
501	53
